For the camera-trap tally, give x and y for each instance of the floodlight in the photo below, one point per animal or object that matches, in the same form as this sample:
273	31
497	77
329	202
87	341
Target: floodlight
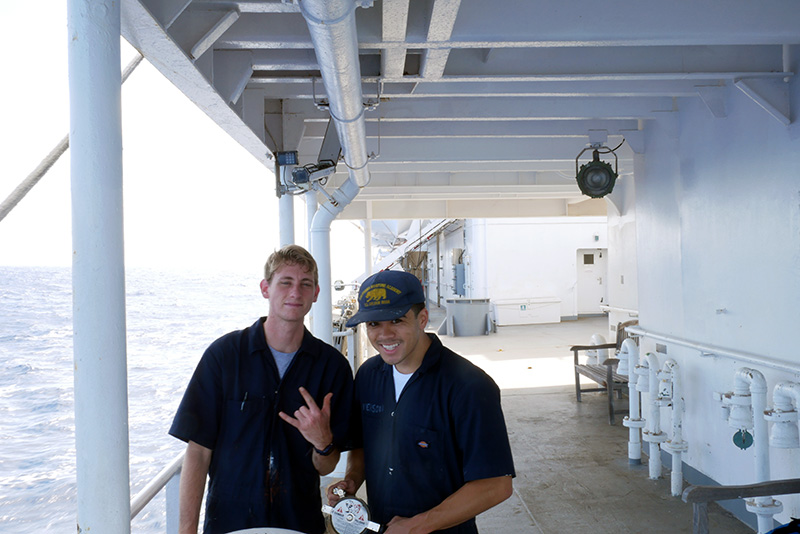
596	178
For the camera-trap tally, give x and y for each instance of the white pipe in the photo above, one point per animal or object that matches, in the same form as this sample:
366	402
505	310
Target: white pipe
98	271
630	352
310	198
676	444
652	433
321	249
311	210
597	356
368	246
285	213
332	25
711	350
752	382
786	400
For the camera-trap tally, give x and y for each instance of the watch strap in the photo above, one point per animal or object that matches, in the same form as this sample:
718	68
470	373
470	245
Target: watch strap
326	451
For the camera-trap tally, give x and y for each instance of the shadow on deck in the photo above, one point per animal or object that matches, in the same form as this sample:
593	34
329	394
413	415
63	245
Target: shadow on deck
572	467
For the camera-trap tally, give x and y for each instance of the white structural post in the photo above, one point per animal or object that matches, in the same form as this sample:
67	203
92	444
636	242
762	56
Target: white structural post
172	496
98	273
310	198
321	249
368	240
286	214
322	313
311	210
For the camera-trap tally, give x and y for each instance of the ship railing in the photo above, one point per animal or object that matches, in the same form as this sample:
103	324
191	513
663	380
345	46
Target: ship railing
169	480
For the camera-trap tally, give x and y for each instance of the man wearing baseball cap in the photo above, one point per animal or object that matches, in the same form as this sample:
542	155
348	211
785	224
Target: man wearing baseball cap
433	446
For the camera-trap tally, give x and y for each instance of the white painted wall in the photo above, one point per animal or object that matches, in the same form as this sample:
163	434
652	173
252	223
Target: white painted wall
622	258
530	258
718	240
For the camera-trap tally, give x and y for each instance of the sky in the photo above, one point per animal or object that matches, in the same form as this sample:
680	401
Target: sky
193	197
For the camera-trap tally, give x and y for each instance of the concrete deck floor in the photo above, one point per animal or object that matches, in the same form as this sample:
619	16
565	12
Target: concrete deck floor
572	467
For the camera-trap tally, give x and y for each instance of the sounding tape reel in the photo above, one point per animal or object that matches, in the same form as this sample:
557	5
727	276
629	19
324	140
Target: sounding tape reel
350	515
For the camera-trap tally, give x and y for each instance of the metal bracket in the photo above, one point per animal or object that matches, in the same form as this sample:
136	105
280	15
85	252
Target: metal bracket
771	94
713	96
322	104
319	189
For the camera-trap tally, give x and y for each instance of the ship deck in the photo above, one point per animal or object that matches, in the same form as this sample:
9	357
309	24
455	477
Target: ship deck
572	468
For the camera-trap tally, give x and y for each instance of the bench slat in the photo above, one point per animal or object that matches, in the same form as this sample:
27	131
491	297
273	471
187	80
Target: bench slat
598	373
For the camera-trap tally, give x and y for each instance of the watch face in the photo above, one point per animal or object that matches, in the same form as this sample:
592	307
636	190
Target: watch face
350	516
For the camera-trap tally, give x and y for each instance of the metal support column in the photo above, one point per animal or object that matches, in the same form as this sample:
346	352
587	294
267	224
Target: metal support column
368	246
286	214
98	272
311	209
368	260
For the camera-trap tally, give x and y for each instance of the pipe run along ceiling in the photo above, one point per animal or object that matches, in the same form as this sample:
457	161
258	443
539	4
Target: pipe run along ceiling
471	107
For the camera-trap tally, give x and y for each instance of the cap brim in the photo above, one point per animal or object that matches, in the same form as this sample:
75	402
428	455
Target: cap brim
364	316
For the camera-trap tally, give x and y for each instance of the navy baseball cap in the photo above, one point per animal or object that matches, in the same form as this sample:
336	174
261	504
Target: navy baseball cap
387	295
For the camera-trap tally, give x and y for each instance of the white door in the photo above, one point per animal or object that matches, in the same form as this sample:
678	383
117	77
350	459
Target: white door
591	286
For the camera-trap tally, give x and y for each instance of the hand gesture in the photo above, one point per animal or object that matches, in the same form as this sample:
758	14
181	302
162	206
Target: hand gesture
312	422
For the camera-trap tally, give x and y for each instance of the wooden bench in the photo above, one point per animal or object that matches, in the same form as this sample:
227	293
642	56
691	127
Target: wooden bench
700	496
604	374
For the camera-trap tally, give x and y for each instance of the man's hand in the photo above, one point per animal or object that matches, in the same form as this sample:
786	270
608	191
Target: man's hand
313	423
404	525
346	485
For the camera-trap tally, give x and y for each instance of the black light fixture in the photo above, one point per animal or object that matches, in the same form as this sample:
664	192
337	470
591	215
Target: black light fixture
596	178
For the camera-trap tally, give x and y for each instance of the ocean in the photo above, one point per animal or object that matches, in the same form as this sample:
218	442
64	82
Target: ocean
171	319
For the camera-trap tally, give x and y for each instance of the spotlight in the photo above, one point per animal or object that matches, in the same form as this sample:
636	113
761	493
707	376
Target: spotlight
596	178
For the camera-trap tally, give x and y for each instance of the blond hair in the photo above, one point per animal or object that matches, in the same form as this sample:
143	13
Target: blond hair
291	255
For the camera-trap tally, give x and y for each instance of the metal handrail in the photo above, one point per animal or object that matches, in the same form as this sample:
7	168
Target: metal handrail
156	485
33	178
632	313
707	350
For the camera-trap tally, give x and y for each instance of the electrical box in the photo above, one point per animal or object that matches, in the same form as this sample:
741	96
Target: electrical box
460	280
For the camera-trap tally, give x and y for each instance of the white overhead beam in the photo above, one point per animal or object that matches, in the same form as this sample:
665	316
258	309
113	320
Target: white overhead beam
508	109
221	26
146	35
394	21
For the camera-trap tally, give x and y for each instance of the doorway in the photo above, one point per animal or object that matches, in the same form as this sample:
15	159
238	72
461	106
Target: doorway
591	284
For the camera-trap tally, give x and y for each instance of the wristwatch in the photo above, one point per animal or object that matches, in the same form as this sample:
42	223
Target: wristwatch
326	451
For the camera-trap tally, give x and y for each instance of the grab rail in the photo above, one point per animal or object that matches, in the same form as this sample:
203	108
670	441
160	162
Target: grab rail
164	478
630	312
711	350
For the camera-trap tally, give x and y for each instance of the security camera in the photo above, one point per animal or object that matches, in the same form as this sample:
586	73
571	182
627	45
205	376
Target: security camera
312	173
